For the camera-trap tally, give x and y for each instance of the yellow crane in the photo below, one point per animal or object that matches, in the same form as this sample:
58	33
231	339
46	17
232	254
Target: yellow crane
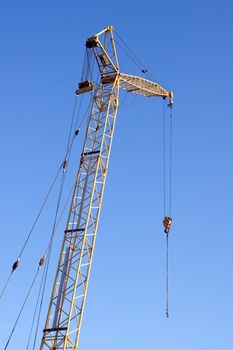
65	312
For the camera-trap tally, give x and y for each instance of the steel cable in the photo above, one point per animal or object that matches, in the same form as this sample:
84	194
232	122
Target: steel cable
167	276
164	157
21	310
35	311
170	174
169	194
67	154
49	256
32	229
135	59
55	225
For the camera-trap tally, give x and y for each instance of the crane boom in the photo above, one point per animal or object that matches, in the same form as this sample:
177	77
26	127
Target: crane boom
138	85
64	317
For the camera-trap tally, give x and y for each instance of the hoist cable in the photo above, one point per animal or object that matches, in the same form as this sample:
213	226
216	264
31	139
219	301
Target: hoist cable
49	254
35	312
167	177
167	276
170	175
21	310
164	157
167	193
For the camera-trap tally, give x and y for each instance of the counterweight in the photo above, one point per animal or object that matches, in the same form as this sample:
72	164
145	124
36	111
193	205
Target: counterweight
64	318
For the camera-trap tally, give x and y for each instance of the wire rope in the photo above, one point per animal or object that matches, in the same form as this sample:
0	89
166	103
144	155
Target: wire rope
6	284
32	229
49	248
49	254
167	275
43	281
40	302
67	154
130	50
132	59
40	297
41	284
171	155
71	126
84	65
164	157
135	59
21	310
40	211
35	312
167	177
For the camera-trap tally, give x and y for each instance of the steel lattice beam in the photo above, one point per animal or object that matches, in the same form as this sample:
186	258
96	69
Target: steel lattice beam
66	307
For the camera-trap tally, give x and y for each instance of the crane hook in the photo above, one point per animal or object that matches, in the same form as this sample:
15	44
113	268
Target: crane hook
167	222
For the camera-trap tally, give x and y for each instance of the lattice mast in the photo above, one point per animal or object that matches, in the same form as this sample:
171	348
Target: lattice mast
64	318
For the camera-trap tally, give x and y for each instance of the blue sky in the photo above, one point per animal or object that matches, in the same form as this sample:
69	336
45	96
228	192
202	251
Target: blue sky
188	47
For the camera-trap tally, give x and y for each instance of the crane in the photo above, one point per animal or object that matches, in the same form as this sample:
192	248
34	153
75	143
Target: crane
66	307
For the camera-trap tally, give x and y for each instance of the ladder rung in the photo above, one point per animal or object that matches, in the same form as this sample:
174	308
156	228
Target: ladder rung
89	153
54	329
75	230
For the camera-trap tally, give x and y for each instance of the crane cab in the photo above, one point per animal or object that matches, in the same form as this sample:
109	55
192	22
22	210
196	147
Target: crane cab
84	86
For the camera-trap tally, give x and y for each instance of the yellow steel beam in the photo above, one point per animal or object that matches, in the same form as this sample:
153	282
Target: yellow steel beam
138	85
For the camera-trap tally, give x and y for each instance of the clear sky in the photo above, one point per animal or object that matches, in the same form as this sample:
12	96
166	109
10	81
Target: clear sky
187	45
